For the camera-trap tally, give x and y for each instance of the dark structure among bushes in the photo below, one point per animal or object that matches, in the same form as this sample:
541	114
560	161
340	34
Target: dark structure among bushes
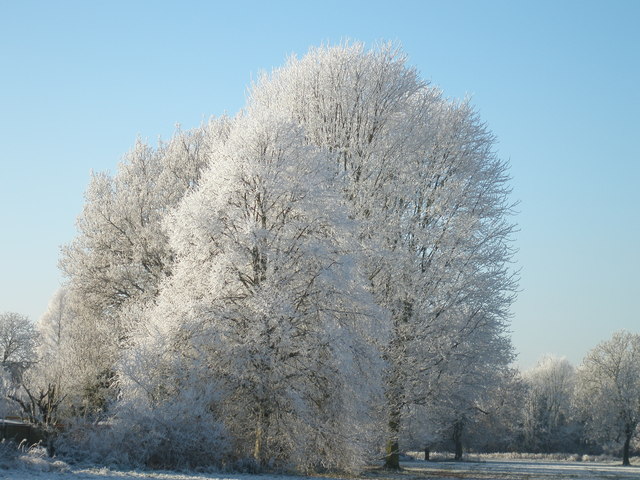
19	432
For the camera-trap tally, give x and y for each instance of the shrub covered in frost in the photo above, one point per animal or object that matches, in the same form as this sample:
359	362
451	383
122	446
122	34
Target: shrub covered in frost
173	435
20	457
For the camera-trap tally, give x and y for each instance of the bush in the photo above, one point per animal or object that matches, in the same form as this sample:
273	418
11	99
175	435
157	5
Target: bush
170	436
15	456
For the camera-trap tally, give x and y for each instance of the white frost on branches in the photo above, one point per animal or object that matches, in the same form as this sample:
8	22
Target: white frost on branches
336	254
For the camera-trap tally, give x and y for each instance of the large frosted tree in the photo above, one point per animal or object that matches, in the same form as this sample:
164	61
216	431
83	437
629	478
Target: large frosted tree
431	199
346	234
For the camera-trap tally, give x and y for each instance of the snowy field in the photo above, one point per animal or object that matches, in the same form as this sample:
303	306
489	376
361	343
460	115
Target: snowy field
519	470
44	469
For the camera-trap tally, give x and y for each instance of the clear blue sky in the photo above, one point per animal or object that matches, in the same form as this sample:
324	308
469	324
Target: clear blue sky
557	81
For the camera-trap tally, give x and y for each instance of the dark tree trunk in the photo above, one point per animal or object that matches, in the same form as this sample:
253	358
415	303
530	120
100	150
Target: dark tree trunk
625	449
392	459
395	387
426	454
457	439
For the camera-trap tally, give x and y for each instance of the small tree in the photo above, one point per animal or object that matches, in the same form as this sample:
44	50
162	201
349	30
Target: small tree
17	343
40	406
609	390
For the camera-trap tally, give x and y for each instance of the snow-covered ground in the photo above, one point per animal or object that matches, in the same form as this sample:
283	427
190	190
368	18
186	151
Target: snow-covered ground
31	467
521	469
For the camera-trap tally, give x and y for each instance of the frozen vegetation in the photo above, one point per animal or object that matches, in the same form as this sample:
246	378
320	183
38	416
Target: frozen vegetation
315	284
37	465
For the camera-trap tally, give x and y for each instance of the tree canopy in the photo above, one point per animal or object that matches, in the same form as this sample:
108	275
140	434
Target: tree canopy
308	277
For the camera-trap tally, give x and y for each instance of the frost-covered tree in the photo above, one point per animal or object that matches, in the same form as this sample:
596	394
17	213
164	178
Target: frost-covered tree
347	234
18	339
18	343
548	406
469	397
267	301
57	334
608	390
19	350
498	426
430	196
43	388
71	356
462	395
121	254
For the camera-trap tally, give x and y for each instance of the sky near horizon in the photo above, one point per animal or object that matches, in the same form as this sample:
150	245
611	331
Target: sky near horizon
558	83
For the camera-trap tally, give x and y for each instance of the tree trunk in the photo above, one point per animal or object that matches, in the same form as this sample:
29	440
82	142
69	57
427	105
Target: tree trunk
257	447
259	442
426	454
457	439
625	449
395	386
392	459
